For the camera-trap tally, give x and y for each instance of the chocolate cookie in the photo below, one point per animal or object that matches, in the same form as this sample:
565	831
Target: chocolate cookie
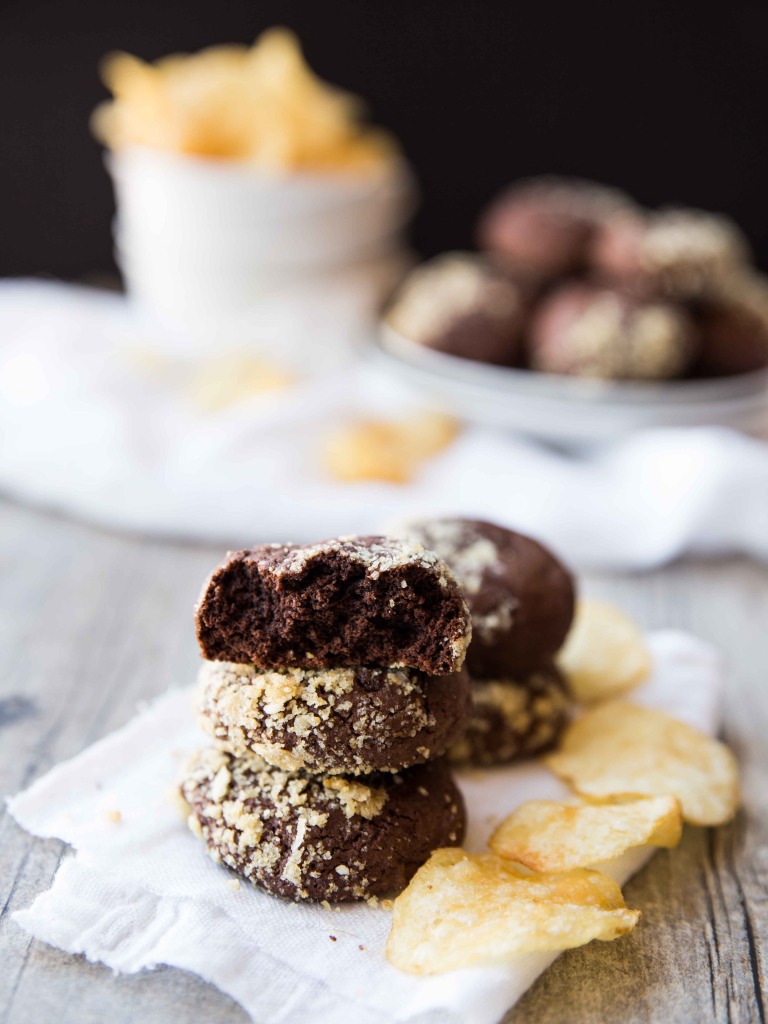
588	331
520	596
733	327
543	228
514	719
368	601
681	253
337	720
460	305
311	837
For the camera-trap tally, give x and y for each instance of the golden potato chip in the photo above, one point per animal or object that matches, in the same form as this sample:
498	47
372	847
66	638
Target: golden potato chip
464	910
545	835
227	380
387	450
604	654
261	105
619	749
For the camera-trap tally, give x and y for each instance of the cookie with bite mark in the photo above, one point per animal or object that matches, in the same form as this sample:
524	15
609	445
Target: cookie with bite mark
373	601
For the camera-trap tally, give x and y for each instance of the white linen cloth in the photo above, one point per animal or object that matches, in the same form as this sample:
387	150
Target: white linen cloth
87	429
139	890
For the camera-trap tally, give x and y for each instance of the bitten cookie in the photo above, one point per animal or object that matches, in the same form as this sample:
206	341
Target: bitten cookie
336	720
543	228
370	601
520	596
459	304
589	331
514	719
308	837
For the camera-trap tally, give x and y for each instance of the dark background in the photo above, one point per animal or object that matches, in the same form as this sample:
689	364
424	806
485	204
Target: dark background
664	100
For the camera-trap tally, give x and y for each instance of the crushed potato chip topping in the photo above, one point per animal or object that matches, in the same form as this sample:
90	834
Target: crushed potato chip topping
604	654
545	835
463	910
260	105
619	749
387	450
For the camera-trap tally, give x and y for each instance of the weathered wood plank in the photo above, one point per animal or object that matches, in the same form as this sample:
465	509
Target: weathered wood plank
91	623
700	951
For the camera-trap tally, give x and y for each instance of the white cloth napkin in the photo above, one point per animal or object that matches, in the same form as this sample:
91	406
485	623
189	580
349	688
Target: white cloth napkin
87	427
139	890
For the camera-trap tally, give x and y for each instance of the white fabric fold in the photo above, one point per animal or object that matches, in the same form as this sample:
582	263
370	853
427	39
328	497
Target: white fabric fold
139	890
90	428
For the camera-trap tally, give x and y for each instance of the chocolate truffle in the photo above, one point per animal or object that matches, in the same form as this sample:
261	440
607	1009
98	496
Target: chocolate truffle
680	253
520	596
514	719
589	331
733	328
335	720
310	837
370	601
543	228
460	305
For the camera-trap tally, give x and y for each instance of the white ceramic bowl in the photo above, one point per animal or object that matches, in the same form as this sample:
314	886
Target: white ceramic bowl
569	411
200	240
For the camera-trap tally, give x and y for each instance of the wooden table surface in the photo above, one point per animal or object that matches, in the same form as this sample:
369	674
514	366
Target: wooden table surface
93	622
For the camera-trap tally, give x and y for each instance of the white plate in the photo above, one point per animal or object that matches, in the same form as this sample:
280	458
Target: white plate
572	411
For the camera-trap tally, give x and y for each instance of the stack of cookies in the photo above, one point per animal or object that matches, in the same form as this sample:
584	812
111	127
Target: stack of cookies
332	684
522	602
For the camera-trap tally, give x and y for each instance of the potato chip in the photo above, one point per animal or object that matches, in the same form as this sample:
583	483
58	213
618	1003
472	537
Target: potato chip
261	105
604	654
620	749
223	381
387	450
545	835
464	910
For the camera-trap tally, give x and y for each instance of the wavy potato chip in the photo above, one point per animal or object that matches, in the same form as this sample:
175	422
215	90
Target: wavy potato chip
260	105
387	450
604	654
620	749
463	910
546	835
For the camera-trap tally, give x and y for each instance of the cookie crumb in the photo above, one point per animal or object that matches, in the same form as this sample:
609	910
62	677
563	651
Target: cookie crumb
356	798
332	938
113	816
233	884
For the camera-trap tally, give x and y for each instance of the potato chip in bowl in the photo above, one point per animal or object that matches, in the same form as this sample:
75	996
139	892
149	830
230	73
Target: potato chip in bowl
260	105
249	191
